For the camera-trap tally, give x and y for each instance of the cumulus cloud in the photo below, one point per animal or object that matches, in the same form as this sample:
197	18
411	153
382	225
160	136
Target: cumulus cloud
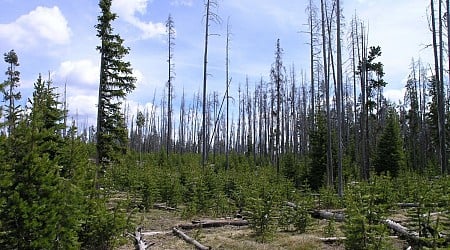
84	71
40	25
128	10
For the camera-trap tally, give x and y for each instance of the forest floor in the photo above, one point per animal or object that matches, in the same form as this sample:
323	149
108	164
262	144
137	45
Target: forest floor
157	228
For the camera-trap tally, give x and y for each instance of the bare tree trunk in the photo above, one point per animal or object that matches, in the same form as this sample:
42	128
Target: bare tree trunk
339	100
311	32
327	96
227	85
441	95
205	73
171	31
439	87
355	121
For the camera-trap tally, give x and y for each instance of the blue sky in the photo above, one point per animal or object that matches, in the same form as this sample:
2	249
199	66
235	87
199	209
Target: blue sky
59	37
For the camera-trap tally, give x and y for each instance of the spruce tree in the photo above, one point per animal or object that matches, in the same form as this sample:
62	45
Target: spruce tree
116	81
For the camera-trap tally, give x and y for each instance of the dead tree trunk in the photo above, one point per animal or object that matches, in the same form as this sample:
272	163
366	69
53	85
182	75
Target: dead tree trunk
189	240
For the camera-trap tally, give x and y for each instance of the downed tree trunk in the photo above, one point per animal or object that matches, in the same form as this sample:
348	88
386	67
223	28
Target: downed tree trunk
163	207
190	240
339	217
332	239
139	241
214	223
407	205
337	239
401	230
411	237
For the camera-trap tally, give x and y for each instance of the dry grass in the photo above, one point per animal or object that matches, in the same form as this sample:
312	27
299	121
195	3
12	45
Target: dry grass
228	237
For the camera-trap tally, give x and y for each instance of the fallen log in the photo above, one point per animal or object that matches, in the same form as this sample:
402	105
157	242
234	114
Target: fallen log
338	239
155	233
163	207
407	205
332	239
322	214
339	217
188	239
412	237
214	223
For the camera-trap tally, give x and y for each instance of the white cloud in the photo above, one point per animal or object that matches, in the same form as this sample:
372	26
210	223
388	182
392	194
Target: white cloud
83	105
84	71
39	25
395	95
187	3
127	9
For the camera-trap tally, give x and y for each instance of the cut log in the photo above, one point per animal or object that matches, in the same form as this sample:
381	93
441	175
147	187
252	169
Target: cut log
188	239
214	223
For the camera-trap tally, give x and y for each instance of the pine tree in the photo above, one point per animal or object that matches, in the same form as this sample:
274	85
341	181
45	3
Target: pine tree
39	209
277	76
116	81
318	164
9	89
389	155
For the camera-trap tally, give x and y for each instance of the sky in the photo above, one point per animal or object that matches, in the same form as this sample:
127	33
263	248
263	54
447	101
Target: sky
58	38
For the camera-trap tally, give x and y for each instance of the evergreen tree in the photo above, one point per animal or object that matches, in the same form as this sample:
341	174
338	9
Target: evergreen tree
9	89
318	163
39	209
277	76
389	156
116	81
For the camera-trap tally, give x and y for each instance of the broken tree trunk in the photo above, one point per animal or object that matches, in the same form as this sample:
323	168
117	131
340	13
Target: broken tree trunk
188	239
214	223
139	241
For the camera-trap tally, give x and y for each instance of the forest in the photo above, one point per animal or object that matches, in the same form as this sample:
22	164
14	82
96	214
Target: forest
321	160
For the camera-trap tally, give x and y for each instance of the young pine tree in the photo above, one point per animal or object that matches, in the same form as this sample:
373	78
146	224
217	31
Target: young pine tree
38	210
389	156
